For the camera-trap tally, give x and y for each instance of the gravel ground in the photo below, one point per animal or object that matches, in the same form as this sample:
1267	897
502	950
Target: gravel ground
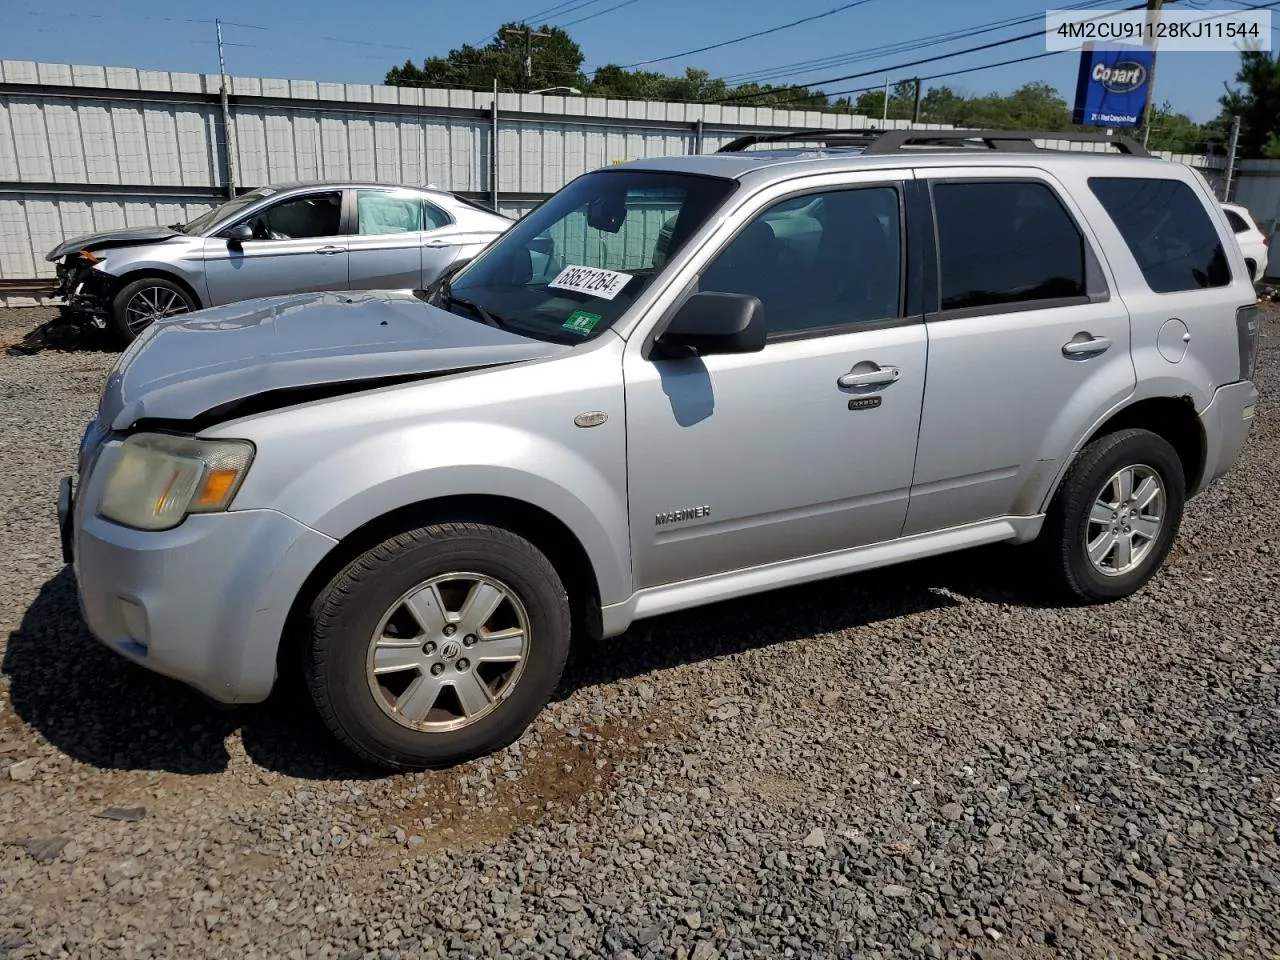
923	761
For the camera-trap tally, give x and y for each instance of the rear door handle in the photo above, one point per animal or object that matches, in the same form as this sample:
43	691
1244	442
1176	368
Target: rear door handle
437	244
1078	348
871	378
329	250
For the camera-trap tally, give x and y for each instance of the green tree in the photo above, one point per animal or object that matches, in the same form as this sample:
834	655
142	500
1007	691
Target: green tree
902	102
1256	103
556	60
1176	131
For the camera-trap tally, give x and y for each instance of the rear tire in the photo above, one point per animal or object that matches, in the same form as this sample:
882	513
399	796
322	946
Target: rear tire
1115	516
408	665
139	304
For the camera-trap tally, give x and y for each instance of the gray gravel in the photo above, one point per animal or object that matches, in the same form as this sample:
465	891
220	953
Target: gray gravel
927	761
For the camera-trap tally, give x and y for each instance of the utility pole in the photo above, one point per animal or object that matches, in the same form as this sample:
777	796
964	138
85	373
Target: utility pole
1153	18
915	110
529	35
228	135
884	120
1231	158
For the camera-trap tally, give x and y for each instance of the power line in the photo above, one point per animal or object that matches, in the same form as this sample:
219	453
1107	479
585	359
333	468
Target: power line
854	56
975	69
557	10
598	13
749	36
911	63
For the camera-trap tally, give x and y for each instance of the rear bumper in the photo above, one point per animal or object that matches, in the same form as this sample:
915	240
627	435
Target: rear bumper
1226	421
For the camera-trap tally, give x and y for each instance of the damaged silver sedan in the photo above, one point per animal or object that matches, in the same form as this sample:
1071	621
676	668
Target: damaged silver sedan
297	238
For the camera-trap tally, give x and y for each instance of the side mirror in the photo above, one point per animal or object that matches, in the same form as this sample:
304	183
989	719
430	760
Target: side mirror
711	322
239	233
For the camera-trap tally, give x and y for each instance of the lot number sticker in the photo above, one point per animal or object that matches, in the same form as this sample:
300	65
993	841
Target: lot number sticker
581	322
605	284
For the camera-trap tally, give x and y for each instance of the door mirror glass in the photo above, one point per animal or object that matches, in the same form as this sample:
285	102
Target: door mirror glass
711	322
239	233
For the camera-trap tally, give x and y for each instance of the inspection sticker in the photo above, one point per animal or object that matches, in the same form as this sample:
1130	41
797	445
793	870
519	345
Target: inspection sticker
581	322
605	284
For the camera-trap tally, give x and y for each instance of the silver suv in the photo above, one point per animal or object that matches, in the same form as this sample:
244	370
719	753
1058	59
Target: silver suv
677	381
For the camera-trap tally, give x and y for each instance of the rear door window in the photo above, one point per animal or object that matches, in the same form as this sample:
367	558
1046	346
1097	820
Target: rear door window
1167	230
1005	242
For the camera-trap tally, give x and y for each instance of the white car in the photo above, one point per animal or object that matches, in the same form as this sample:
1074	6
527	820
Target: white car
1253	242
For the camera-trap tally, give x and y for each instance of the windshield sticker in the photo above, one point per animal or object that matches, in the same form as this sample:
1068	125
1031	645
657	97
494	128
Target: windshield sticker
605	284
581	322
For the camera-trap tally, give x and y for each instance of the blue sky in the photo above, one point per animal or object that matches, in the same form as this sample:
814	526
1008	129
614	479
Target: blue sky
350	42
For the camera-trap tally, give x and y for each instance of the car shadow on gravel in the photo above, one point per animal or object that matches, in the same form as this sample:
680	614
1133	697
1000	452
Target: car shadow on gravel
997	574
101	710
64	335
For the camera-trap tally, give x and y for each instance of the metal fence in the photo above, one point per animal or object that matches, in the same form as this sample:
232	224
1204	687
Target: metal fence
86	148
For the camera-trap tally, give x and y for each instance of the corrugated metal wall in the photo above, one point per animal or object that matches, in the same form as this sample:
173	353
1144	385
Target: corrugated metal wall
85	148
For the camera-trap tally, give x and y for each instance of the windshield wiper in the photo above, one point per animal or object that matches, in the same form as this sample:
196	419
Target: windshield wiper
490	319
179	227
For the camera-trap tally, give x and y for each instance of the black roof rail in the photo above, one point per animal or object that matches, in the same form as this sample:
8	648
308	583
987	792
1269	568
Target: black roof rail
880	142
1018	141
840	138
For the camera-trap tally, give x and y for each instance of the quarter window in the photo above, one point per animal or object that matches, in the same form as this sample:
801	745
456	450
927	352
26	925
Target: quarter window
818	261
1005	242
1237	222
1167	230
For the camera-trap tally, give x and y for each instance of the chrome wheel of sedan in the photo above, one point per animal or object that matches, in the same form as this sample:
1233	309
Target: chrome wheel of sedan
448	652
1125	520
153	303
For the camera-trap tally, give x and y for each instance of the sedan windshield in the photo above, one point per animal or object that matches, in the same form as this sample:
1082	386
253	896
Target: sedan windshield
225	211
569	269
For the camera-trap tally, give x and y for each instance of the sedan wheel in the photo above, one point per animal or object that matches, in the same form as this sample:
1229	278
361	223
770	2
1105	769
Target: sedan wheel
144	301
151	304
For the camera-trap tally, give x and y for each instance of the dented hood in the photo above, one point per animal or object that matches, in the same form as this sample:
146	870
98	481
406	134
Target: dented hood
181	368
126	236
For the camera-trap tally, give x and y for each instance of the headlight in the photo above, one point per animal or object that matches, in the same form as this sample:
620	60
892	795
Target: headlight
157	479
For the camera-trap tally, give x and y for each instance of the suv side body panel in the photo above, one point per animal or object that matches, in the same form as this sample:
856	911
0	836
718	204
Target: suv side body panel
1211	359
765	448
1003	401
506	432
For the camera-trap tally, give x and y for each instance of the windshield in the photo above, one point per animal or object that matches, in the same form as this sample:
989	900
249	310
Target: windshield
568	270
226	210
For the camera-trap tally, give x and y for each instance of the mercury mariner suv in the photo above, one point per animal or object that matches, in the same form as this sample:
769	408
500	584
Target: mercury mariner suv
676	381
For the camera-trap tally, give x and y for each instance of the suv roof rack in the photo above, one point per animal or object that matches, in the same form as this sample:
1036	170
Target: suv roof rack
881	142
840	138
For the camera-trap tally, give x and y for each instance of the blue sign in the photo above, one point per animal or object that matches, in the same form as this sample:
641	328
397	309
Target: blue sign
1111	88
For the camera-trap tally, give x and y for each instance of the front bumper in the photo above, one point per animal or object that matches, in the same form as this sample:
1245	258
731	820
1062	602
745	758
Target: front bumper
1226	421
84	290
204	603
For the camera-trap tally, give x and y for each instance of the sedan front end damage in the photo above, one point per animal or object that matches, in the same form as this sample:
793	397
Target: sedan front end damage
85	289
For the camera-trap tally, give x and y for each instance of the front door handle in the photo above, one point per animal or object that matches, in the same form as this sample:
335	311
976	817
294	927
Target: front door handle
871	378
1079	348
329	250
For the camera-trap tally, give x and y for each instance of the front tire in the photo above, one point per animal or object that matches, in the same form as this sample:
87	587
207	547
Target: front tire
141	303
1114	518
438	645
